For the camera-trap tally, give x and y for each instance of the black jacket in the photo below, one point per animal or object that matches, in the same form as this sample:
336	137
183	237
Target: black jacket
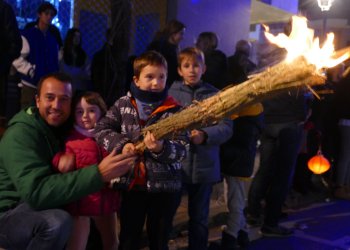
10	38
239	65
52	29
169	51
216	73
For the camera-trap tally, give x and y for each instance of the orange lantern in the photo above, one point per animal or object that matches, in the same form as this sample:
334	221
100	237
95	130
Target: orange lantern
318	164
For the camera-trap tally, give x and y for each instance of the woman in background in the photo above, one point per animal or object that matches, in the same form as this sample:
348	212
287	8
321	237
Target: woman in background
166	42
75	61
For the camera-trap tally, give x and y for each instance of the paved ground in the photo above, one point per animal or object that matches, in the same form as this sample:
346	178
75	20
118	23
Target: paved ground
320	223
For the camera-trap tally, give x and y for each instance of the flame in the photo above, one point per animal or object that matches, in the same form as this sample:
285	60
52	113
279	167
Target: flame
301	42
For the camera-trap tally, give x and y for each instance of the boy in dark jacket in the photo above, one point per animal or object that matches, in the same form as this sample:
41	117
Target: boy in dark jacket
201	169
151	193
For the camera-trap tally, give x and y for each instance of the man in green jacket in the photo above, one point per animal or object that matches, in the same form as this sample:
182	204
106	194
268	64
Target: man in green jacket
31	193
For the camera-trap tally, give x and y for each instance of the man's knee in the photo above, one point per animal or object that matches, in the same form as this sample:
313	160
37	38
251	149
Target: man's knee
59	222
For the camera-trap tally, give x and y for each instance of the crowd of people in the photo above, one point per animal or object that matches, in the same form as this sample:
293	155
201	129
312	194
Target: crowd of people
71	157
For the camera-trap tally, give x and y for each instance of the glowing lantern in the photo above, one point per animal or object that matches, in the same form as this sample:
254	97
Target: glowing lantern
318	164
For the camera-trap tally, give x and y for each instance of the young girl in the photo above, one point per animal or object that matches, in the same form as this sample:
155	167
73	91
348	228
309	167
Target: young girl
81	151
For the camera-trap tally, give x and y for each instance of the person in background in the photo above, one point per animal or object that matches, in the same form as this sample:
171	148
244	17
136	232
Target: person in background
339	107
284	117
31	191
104	75
166	42
152	192
52	28
215	60
75	61
10	49
39	54
239	64
237	157
100	206
201	168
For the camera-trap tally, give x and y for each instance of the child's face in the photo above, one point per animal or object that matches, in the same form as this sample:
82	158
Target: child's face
152	78
191	71
86	115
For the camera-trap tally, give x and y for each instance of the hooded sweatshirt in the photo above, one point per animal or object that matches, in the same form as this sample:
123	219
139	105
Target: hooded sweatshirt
26	174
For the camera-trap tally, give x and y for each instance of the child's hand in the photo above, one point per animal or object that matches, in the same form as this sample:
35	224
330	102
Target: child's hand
198	137
129	148
152	144
66	163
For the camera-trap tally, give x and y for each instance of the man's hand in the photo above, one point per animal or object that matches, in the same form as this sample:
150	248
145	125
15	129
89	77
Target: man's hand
115	165
66	163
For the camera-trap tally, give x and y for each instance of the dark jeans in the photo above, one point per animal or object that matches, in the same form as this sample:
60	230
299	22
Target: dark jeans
198	212
154	208
25	228
279	149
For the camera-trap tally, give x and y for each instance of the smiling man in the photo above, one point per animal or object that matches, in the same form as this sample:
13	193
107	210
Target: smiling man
31	192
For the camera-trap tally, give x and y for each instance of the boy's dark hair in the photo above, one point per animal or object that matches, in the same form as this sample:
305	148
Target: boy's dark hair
63	77
90	97
46	6
191	53
148	58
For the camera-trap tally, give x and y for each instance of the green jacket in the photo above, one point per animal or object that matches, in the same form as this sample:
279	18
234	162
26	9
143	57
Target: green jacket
26	152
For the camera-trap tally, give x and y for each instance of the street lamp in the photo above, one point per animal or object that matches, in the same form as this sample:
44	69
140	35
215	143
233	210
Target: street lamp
325	5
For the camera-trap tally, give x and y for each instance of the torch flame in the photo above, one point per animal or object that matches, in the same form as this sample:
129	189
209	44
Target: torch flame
301	42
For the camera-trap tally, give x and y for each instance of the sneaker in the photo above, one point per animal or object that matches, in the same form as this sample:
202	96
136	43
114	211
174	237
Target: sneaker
243	239
276	231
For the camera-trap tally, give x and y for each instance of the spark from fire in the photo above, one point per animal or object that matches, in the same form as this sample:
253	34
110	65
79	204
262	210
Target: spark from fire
301	42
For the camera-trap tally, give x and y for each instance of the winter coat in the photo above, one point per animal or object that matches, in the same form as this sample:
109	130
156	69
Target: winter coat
52	29
87	153
341	100
26	174
290	106
40	55
239	66
216	71
122	125
237	155
202	164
